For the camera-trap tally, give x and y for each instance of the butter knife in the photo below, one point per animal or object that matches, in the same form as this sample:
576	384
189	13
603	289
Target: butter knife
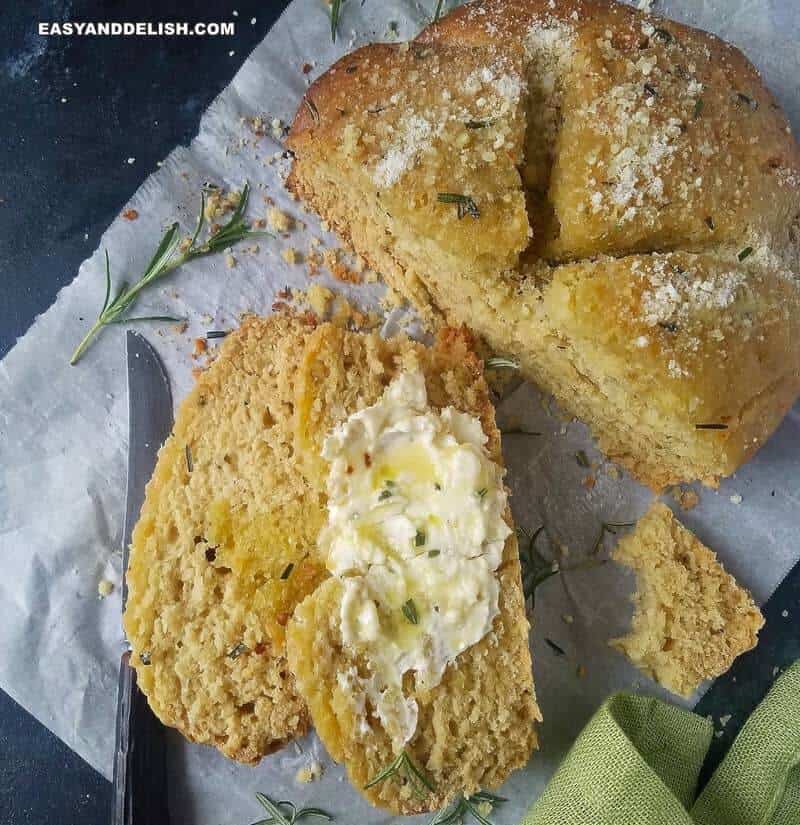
140	781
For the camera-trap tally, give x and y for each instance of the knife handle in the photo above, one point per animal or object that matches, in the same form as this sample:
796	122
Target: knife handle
140	764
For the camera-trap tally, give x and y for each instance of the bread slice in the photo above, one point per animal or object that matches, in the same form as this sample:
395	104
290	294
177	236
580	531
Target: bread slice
477	724
609	197
224	515
691	618
225	546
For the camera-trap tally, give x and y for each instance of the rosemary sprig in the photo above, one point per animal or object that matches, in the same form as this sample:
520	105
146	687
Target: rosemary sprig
464	203
499	363
455	812
535	568
164	260
287	813
403	766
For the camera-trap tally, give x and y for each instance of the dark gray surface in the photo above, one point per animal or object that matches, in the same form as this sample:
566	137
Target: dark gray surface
63	177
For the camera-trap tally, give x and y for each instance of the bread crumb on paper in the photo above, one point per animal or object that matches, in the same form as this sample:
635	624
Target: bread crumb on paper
105	588
309	773
279	220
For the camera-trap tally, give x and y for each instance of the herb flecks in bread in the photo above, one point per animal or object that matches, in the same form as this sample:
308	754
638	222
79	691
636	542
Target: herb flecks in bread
620	214
227	546
691	618
471	710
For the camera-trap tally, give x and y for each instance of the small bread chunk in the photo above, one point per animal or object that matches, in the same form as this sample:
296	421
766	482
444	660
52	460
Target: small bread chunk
609	197
691	618
477	725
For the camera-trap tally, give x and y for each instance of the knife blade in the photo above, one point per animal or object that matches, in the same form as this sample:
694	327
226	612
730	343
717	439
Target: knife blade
140	782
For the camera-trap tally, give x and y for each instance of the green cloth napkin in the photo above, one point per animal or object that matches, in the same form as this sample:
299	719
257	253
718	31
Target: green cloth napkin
638	760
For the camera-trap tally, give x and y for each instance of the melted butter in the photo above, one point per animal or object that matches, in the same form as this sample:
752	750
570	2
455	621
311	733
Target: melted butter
415	532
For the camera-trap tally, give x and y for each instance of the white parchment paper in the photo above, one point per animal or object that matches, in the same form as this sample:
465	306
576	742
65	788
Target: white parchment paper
63	434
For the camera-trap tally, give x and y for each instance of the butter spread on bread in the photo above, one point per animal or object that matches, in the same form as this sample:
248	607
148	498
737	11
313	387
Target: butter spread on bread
415	533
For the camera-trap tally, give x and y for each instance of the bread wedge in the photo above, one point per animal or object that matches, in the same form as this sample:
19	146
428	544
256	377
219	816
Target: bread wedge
691	618
226	547
477	725
609	197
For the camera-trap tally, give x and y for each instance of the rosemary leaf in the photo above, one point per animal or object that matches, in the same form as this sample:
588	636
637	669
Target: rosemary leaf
402	765
557	649
745	253
216	333
498	363
236	651
287	571
711	426
189	459
410	612
336	10
312	107
465	204
582	459
438	10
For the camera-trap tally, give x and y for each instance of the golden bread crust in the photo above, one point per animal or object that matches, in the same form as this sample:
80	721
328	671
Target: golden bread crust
592	139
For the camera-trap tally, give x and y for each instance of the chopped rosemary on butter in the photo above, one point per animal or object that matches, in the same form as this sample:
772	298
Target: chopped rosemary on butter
745	253
402	766
410	612
419	539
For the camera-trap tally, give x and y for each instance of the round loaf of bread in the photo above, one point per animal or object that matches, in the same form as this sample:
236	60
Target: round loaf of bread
609	197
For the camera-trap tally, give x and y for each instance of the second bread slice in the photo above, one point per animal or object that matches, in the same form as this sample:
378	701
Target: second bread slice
477	724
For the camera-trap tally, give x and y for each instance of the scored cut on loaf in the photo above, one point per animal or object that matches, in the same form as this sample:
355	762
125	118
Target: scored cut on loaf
608	196
691	617
226	544
477	725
